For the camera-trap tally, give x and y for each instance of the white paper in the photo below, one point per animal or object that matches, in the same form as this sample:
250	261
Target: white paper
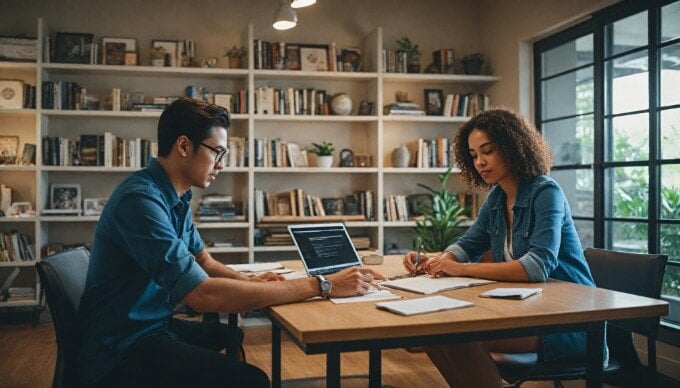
372	295
429	285
425	305
295	275
256	267
511	293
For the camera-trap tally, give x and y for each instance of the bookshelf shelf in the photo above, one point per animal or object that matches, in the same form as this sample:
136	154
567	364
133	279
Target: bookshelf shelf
316	170
56	218
221	225
97	169
27	263
77	69
19	303
18	65
426	119
415	170
317	118
227	249
277	248
17	168
439	78
9	220
21	112
317	75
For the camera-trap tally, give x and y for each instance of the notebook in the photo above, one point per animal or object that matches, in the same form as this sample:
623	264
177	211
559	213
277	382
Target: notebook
324	248
511	293
429	285
425	305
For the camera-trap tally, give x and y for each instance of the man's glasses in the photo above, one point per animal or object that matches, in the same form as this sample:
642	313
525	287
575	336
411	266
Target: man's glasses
220	154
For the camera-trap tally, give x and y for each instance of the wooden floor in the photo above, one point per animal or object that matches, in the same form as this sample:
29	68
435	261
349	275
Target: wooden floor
28	354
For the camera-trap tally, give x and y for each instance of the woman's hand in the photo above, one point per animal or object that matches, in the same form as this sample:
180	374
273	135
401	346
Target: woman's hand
444	265
412	267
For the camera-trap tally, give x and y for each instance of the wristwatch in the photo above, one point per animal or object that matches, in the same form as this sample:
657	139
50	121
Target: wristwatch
325	285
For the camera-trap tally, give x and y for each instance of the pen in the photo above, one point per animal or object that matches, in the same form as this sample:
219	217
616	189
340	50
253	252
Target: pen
417	261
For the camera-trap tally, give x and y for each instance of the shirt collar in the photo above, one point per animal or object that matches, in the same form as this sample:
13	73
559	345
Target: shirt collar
161	177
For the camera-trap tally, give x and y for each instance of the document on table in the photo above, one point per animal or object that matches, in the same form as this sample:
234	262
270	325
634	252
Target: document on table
511	293
256	267
372	295
429	285
425	305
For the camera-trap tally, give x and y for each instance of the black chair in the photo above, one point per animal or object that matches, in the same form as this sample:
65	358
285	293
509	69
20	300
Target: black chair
639	274
62	276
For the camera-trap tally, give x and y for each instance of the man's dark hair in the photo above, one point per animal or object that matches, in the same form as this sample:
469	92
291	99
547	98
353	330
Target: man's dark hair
192	118
522	147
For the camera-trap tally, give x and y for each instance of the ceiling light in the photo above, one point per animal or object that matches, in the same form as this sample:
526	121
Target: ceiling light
302	3
285	17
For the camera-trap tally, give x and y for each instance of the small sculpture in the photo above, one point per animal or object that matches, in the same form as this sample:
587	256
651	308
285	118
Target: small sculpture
346	158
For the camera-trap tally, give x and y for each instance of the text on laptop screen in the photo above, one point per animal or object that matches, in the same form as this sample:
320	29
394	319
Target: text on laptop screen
325	246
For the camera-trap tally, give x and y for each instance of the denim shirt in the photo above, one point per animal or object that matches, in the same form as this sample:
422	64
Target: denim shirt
545	242
142	264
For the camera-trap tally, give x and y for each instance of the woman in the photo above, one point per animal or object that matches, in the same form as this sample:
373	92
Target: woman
525	222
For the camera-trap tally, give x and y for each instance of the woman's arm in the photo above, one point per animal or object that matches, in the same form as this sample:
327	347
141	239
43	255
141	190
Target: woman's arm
446	265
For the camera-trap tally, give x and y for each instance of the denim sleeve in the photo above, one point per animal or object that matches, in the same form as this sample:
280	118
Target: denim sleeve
196	243
476	241
148	235
544	242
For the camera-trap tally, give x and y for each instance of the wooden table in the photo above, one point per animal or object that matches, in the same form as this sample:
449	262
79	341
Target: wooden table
320	326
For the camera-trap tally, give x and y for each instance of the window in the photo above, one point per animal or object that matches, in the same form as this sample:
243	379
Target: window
608	103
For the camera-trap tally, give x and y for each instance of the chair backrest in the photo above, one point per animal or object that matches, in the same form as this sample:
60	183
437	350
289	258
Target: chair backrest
62	276
634	273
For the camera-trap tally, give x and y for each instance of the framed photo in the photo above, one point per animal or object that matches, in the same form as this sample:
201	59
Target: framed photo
9	146
333	206
114	50
433	102
94	206
65	197
11	94
73	47
20	208
293	57
225	100
296	155
314	57
170	49
28	156
131	58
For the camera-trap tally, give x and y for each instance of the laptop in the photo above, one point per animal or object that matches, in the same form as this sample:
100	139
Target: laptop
324	248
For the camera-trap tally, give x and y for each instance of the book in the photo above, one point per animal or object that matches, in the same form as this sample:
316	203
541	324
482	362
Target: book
429	285
425	305
372	295
511	293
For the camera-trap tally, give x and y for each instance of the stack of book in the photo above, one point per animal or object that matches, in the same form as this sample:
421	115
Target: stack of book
219	208
403	108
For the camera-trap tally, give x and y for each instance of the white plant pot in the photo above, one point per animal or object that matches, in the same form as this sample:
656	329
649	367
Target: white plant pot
324	161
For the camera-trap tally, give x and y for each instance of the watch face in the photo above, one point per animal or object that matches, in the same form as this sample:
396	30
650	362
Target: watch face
326	286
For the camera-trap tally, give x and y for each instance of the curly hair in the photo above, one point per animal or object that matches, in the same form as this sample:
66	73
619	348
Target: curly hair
522	147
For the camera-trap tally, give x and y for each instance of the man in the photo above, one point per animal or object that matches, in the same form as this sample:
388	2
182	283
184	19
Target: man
147	256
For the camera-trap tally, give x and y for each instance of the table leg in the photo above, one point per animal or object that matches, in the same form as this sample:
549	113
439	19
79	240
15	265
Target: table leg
594	344
333	369
374	368
276	356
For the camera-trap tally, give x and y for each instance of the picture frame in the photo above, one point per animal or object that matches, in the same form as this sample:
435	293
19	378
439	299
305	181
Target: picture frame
296	155
114	50
11	94
18	209
225	100
333	206
65	197
71	47
28	155
131	58
170	48
314	57
434	102
9	146
293	57
94	206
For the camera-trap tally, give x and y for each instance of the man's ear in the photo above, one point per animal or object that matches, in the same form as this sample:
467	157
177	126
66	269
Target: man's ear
183	143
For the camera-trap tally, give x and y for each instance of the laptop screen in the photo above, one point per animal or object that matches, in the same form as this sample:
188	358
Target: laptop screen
324	248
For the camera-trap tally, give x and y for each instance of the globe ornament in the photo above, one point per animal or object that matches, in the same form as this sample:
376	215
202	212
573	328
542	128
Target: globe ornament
341	104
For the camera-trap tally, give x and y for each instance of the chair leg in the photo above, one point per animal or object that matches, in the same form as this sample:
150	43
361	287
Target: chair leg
651	360
557	384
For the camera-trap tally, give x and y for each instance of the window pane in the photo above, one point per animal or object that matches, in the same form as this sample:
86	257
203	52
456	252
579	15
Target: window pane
586	232
627	236
670	134
670	291
571	140
670	21
568	94
670	75
627	34
576	53
628	83
629	139
578	188
630	191
670	242
670	191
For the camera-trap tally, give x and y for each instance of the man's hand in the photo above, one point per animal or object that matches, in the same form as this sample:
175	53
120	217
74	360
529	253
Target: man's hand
443	265
353	281
410	263
267	277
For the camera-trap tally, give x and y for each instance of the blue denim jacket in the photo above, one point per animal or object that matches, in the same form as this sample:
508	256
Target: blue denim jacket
544	240
142	264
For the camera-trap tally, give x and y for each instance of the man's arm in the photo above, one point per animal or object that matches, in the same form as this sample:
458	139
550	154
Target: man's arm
214	268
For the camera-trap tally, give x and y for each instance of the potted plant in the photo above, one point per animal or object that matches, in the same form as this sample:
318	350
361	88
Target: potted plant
472	63
441	223
324	154
412	54
235	54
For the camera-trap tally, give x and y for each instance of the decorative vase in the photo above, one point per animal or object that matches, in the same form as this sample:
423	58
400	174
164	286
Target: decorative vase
325	161
413	68
341	104
400	157
234	62
473	67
